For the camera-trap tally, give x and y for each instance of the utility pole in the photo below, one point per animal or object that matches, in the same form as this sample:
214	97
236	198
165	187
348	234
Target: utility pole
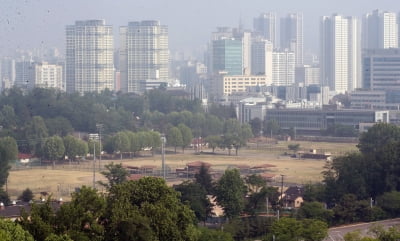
94	164
282	190
99	128
163	140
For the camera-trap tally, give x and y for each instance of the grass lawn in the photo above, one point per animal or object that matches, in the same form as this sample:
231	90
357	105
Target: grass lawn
62	181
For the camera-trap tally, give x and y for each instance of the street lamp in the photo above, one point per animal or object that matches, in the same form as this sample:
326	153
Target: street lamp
99	127
163	141
94	137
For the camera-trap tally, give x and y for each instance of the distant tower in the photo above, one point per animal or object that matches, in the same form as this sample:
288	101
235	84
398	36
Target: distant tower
283	68
89	57
261	57
292	36
144	54
265	25
380	30
340	53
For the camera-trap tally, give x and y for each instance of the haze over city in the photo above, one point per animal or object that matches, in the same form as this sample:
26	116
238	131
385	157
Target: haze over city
41	23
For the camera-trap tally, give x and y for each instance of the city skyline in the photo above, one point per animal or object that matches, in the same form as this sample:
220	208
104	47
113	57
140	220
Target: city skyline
47	19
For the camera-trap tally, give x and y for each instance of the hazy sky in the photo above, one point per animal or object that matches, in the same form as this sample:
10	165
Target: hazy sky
30	24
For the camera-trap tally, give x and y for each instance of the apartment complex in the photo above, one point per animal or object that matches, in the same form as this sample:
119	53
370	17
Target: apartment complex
340	53
144	55
89	57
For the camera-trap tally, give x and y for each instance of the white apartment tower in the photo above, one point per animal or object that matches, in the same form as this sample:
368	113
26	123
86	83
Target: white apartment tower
340	53
144	54
380	30
89	57
48	76
283	68
292	36
265	25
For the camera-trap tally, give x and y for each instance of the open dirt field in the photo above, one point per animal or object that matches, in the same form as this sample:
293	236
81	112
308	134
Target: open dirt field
63	180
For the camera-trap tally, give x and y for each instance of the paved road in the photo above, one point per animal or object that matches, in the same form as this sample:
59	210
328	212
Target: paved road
337	233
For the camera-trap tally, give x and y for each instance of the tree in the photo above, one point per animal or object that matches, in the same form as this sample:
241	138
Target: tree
207	234
10	146
27	195
271	127
174	137
149	210
256	126
59	126
377	137
213	142
390	202
35	133
287	229
187	136
80	219
196	197
294	147
54	237
315	210
8	152
121	143
40	222
115	174
258	192
230	191
7	117
53	149
11	231
204	179
75	147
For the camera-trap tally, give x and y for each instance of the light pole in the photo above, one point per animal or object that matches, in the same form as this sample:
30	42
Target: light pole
99	128
94	137
282	190
163	140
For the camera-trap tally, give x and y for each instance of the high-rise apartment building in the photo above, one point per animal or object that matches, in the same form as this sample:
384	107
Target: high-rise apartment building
144	54
261	57
283	68
380	30
340	53
24	76
89	57
48	76
265	25
292	36
7	76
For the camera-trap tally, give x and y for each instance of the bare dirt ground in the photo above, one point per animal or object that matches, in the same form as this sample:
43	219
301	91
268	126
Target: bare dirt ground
63	180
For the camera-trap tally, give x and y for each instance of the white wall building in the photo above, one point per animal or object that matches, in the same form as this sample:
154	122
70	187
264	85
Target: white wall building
89	57
380	30
283	68
48	76
340	53
144	54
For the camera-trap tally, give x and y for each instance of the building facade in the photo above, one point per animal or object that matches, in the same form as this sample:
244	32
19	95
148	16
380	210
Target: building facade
315	120
283	68
292	36
380	30
48	76
381	69
265	25
144	54
340	53
261	57
227	56
89	57
239	83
